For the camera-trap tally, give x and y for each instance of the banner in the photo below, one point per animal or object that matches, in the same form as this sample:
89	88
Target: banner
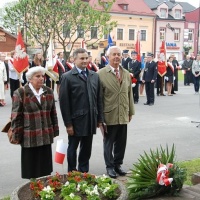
61	151
20	61
137	46
162	70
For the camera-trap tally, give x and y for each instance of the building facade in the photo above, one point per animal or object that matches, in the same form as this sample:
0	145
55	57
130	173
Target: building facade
171	26
7	41
133	17
192	29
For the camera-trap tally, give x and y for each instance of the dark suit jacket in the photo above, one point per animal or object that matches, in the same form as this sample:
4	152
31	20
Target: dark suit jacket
187	64
80	101
150	72
135	68
125	62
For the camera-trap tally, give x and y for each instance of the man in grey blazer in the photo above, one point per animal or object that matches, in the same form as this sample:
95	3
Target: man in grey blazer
118	108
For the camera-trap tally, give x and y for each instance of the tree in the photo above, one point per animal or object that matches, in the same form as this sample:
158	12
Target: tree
51	18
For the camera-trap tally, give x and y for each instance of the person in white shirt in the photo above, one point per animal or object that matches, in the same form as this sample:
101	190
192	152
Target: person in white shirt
3	78
13	76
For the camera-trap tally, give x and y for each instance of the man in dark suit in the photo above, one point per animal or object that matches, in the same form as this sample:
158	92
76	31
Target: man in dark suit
176	68
187	66
81	108
134	67
149	78
126	59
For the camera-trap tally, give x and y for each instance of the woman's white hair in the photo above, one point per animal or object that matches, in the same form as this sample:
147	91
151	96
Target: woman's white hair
33	70
112	47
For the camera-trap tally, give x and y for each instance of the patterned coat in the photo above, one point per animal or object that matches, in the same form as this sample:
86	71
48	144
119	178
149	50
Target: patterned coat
33	123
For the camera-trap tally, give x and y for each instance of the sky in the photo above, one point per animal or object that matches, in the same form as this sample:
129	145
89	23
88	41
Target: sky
195	3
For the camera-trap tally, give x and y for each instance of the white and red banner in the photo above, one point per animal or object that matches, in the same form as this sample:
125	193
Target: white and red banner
20	61
69	65
61	151
137	46
170	66
57	65
83	45
162	60
92	65
51	57
163	174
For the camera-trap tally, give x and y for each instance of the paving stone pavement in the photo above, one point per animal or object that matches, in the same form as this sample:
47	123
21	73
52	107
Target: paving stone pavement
167	122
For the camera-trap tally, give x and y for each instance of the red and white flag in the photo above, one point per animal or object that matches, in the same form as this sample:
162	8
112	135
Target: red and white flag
83	45
57	65
20	61
137	46
162	70
61	151
51	57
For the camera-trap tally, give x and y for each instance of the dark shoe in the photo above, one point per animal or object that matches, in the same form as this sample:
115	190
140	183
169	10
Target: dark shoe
120	171
111	172
173	93
146	103
158	94
135	102
151	104
162	95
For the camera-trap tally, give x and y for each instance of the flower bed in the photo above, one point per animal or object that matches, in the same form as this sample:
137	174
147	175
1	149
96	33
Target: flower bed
73	186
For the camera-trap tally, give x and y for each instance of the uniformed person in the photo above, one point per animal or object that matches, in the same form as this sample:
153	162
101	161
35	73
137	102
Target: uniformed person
126	59
134	66
149	78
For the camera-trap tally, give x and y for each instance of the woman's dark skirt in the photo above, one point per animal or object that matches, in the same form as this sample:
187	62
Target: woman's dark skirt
170	79
36	161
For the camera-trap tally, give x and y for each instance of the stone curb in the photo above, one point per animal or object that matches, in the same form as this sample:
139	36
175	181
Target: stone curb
123	196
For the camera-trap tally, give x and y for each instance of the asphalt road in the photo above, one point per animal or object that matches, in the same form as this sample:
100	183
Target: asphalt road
167	122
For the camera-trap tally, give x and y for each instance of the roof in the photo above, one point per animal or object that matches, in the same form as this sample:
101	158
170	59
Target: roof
135	7
153	4
8	33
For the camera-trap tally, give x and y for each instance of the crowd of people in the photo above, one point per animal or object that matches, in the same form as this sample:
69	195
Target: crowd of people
91	95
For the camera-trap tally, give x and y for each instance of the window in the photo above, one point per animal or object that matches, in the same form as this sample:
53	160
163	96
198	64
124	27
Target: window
106	36
93	32
80	32
120	34
177	14
163	13
176	34
125	7
143	35
162	33
131	34
66	31
190	35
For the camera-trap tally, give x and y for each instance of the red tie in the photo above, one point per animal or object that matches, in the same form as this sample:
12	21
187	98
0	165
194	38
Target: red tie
117	73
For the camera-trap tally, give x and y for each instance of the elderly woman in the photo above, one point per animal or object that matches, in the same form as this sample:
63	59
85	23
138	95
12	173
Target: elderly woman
34	124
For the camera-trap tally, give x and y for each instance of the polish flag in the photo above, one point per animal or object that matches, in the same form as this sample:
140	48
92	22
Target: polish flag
61	151
137	46
83	45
